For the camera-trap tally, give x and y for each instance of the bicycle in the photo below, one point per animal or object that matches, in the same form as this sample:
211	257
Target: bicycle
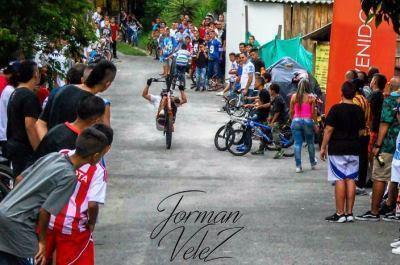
239	142
214	84
223	132
234	105
167	120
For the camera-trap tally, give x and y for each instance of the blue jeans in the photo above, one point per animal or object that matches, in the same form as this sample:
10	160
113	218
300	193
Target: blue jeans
303	129
201	77
213	69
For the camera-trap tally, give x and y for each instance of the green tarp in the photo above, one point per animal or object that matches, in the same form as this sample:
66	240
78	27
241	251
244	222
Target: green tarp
275	50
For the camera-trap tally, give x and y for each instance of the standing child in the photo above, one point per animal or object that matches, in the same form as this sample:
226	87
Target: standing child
201	64
344	125
70	232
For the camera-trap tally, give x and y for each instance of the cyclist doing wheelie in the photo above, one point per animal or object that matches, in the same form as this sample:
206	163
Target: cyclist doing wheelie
158	101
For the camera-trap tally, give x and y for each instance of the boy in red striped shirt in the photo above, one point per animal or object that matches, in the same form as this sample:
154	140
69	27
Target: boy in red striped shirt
70	232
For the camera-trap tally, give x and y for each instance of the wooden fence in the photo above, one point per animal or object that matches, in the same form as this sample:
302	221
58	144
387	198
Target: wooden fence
305	18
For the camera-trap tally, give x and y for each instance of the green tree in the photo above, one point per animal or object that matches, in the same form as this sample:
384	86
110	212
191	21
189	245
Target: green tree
171	10
176	8
383	10
25	24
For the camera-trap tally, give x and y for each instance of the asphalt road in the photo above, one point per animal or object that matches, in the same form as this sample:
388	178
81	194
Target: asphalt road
279	214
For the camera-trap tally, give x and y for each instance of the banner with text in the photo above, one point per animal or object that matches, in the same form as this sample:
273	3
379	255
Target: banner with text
357	45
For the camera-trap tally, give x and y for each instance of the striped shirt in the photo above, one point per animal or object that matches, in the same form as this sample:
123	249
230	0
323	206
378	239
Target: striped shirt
362	102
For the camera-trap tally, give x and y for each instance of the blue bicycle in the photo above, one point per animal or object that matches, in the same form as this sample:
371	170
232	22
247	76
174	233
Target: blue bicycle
240	141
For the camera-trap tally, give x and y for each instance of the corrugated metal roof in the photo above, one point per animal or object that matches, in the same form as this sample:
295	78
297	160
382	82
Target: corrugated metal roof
295	1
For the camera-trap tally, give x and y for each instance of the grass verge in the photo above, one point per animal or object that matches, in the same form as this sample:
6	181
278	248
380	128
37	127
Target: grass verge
127	49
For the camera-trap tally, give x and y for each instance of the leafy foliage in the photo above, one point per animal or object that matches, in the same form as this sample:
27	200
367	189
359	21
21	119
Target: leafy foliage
171	10
383	10
176	8
26	23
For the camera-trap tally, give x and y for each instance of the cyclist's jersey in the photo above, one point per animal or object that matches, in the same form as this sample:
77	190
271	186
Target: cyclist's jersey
214	50
182	57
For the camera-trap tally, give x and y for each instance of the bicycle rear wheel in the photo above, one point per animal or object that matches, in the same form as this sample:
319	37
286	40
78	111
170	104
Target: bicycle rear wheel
168	132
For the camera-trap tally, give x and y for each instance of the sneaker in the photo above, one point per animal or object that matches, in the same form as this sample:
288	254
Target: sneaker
385	209
279	154
361	191
241	148
368	216
258	152
396	251
221	110
220	94
336	218
349	218
395	243
391	217
299	170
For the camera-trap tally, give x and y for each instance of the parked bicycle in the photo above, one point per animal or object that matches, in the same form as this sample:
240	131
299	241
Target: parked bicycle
239	141
221	136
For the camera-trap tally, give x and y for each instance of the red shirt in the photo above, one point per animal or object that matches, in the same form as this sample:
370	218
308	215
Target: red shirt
114	31
3	83
202	32
42	94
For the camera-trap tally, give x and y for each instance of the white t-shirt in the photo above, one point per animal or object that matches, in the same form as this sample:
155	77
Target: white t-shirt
234	66
155	101
172	32
5	97
248	68
396	162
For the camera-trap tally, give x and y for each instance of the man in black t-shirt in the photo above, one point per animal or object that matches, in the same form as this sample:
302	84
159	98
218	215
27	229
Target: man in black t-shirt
378	84
63	106
259	65
345	124
64	135
22	111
